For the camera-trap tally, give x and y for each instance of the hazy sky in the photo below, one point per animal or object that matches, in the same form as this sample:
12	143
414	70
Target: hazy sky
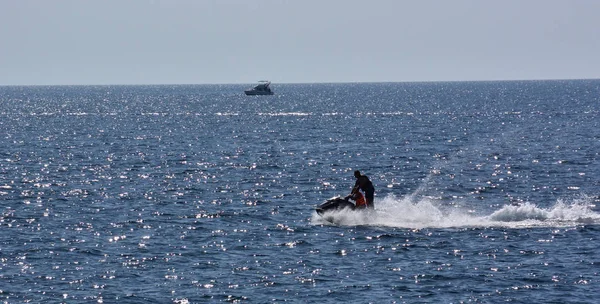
242	41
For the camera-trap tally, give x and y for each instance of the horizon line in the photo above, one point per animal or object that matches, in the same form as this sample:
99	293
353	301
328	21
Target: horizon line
286	83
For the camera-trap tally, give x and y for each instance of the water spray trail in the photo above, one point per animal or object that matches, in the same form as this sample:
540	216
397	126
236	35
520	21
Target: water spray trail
428	213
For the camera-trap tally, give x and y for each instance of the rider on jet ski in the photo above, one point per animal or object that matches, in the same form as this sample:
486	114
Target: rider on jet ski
337	203
363	183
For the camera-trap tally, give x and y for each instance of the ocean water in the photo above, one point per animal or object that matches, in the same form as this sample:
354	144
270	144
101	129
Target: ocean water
486	192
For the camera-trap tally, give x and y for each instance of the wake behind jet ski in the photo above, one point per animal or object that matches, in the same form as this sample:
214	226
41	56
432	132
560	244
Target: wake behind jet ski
339	203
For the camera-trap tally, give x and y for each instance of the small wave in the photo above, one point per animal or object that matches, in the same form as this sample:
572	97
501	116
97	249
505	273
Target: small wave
227	114
285	114
430	213
578	211
516	213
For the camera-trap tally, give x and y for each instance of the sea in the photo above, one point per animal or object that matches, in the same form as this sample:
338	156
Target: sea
486	192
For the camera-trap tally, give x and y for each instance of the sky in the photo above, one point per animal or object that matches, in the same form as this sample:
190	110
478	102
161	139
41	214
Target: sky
71	42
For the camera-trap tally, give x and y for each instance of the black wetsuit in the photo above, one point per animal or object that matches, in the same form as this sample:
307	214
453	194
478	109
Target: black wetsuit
365	185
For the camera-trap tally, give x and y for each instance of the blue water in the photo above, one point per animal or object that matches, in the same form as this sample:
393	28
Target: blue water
486	192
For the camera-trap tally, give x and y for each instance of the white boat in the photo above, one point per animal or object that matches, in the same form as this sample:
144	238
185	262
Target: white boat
261	89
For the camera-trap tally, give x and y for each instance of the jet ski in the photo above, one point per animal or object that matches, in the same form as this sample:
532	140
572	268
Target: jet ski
335	204
338	203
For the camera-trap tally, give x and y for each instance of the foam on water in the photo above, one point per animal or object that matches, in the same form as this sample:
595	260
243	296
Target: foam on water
430	213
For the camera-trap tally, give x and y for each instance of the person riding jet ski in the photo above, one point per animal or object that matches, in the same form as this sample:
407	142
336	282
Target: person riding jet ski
363	183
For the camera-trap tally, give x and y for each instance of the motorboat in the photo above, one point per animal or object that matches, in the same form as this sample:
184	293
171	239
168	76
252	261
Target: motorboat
261	89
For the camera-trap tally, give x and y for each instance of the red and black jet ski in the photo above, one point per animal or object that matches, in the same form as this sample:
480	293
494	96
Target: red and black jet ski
339	203
336	203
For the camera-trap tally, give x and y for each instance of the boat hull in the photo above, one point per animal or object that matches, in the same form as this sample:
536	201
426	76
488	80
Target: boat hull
252	93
